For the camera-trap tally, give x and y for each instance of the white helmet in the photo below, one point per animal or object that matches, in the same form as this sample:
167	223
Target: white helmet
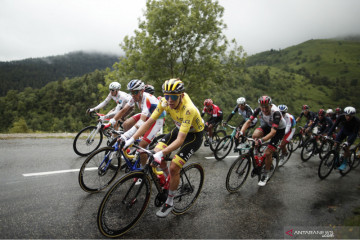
241	100
329	111
135	85
114	86
349	111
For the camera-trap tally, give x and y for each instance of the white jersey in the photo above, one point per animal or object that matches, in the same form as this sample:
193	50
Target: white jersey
121	99
274	119
147	104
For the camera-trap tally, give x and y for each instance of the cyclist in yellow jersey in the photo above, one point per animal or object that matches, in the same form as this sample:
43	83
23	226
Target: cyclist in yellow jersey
187	135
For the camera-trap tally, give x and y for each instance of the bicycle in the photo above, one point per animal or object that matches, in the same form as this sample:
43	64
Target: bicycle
102	166
126	201
312	147
217	135
299	138
356	155
240	168
90	138
334	159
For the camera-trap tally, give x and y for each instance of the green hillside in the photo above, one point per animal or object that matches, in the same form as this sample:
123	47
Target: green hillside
319	73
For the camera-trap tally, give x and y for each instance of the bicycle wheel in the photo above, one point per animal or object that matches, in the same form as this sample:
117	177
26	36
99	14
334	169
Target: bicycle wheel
238	173
327	164
356	153
191	182
290	148
274	166
217	136
296	141
308	150
350	162
124	204
94	174
223	148
87	141
325	147
155	141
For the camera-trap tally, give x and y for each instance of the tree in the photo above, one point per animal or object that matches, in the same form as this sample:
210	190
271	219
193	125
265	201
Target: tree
177	38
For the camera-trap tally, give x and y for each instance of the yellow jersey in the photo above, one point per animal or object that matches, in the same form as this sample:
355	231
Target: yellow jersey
186	117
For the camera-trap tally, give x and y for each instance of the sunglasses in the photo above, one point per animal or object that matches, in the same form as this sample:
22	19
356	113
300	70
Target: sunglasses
173	97
135	92
113	90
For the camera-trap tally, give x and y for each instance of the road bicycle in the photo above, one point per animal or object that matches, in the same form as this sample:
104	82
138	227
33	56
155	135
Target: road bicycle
217	135
90	138
102	166
333	160
300	138
316	144
240	168
126	201
225	145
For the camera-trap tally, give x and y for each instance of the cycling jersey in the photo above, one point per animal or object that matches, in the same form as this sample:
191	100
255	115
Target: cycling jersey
324	124
290	122
246	113
186	116
349	129
121	99
274	119
310	116
214	112
147	105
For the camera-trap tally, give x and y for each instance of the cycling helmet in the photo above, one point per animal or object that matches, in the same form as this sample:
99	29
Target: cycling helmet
264	100
321	112
241	100
338	110
329	111
135	84
208	102
174	85
305	107
283	108
350	111
114	86
150	89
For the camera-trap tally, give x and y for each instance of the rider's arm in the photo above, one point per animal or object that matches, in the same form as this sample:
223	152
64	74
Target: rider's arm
128	134
299	117
175	144
103	103
232	114
122	112
274	127
248	122
143	128
334	126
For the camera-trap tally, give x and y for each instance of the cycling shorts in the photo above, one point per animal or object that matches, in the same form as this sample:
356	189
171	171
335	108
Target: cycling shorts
191	144
343	133
289	135
274	141
153	130
214	120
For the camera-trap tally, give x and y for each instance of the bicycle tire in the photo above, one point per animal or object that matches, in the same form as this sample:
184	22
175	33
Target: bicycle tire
191	183
297	139
290	150
80	141
350	163
274	166
308	149
238	173
325	147
91	177
326	164
356	153
217	136
120	210
223	148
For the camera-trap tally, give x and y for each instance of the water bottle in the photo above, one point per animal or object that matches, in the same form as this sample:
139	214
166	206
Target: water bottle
162	180
259	160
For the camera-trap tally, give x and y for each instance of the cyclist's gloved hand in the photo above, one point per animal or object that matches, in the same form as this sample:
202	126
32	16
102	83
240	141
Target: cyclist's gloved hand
128	142
346	144
259	142
158	157
224	123
89	110
102	118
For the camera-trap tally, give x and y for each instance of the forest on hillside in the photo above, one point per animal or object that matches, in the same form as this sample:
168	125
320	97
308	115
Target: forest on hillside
37	72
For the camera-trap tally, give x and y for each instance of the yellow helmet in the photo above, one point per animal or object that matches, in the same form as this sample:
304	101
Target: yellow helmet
174	85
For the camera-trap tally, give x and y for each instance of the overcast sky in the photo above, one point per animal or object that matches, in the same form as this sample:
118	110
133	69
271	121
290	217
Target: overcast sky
39	28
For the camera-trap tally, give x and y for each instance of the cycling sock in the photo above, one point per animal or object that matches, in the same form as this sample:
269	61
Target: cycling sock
170	198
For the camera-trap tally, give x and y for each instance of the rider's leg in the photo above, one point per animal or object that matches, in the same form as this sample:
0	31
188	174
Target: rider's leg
129	123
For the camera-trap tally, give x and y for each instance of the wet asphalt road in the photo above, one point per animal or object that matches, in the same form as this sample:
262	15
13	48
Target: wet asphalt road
54	206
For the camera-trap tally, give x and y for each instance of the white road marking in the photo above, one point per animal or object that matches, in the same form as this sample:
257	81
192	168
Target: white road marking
226	157
54	172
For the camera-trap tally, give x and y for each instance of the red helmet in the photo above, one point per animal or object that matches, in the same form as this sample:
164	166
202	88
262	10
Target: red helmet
321	112
305	107
338	110
264	100
208	102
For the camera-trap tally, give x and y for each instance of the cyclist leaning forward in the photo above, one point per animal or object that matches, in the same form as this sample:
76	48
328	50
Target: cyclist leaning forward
272	127
187	135
350	128
245	111
216	116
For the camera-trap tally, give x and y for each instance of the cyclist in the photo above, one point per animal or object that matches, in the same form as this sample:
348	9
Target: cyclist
289	131
121	98
186	136
323	122
338	112
147	104
245	111
216	116
272	127
310	116
149	89
330	114
350	128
